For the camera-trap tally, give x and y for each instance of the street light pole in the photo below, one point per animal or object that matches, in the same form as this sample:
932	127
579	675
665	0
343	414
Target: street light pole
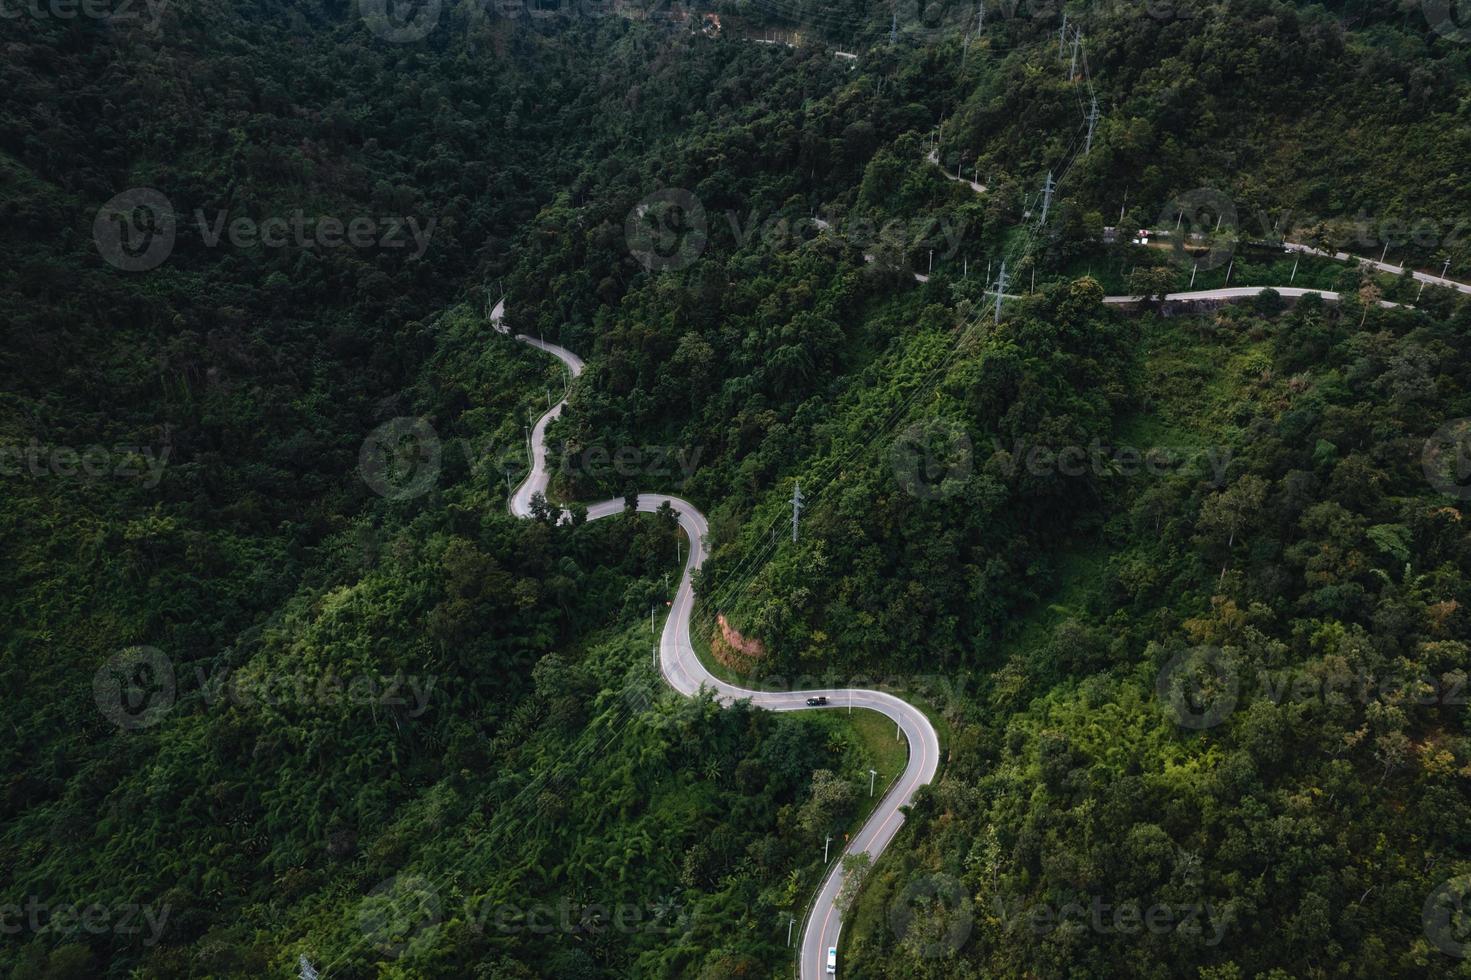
872	773
825	846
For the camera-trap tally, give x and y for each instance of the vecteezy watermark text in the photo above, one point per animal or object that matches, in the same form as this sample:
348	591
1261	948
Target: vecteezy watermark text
96	918
319	231
407	909
1101	460
112	11
599	462
670	229
566	917
1201	687
1126	918
277	689
93	462
137	687
138	229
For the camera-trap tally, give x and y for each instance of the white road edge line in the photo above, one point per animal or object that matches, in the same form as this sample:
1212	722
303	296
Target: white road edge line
684	672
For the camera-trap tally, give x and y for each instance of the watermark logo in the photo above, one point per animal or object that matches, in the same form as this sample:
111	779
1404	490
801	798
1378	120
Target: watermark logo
667	230
1446	918
136	230
926	21
1204	224
1198	687
398	912
934	915
1446	459
639	694
400	459
1451	19
932	459
135	688
400	21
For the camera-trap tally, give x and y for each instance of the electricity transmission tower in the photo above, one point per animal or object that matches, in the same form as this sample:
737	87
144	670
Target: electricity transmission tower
1092	121
1000	289
1047	196
796	508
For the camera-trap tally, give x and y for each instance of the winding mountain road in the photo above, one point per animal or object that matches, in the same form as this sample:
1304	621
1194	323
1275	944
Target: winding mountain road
933	157
1237	292
684	672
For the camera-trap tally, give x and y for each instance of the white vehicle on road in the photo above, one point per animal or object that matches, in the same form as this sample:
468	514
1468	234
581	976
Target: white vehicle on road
682	669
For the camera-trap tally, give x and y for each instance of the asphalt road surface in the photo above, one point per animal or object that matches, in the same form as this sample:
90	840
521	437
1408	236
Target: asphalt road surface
685	673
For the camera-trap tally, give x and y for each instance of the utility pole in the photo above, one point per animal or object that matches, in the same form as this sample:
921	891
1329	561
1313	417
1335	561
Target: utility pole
796	508
1384	253
871	774
1046	196
1293	277
1092	121
1000	288
1228	272
931	269
1193	270
824	848
1445	268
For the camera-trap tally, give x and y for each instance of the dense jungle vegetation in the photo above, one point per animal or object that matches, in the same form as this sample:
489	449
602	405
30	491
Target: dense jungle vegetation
1290	543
